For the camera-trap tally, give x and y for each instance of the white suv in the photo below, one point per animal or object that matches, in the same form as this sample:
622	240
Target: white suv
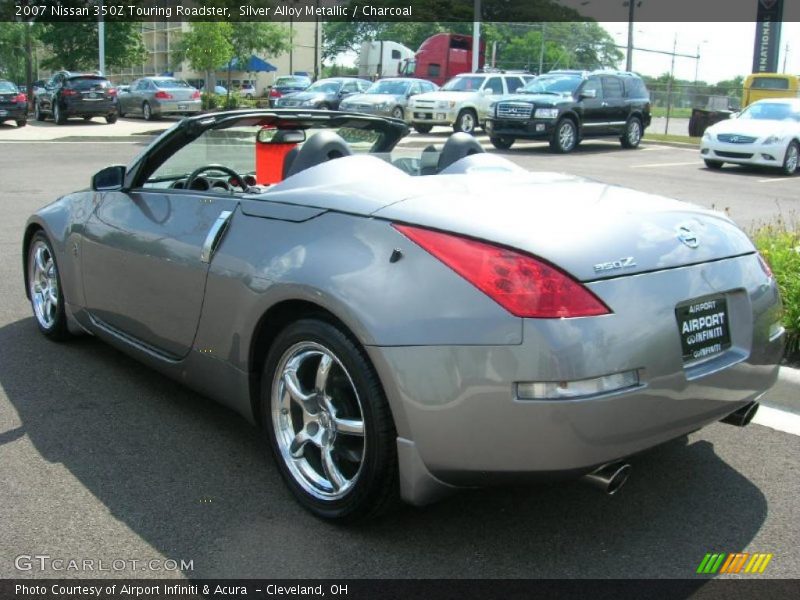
462	102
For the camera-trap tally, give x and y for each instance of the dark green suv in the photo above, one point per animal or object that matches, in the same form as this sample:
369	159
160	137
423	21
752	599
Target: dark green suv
565	107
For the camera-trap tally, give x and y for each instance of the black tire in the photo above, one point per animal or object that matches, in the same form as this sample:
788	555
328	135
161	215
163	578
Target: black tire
58	115
147	112
22	122
713	164
324	106
374	487
58	330
565	137
87	118
111	119
632	134
423	128
502	143
791	159
398	113
466	122
37	112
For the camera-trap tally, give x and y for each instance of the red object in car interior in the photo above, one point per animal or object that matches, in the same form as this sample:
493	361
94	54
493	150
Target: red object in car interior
269	161
273	93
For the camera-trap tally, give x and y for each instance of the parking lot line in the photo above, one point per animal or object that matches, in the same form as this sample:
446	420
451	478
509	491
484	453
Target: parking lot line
772	179
655	165
777	419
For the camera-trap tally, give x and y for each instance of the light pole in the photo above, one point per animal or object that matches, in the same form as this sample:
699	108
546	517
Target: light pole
697	61
476	35
631	4
101	39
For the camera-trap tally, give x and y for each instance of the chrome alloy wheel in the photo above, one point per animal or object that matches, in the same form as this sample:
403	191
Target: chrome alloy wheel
566	135
634	133
43	282
792	158
318	421
467	122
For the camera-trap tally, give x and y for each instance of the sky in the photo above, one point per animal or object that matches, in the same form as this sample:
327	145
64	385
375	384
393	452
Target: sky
726	49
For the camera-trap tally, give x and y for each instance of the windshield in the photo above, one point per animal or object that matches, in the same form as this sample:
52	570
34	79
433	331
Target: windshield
88	83
297	81
325	87
171	84
552	84
6	87
392	88
463	84
772	111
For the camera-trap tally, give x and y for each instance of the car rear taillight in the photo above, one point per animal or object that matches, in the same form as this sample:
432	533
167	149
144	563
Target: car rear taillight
111	92
68	92
20	98
273	93
161	95
525	286
765	266
196	95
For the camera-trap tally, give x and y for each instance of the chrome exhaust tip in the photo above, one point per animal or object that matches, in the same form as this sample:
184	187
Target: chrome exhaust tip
743	416
609	478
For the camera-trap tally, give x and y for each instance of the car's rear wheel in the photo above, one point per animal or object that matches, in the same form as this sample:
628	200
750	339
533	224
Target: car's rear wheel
324	106
87	118
714	164
58	114
147	112
466	122
44	288
111	119
633	133
790	161
565	137
423	128
37	112
502	143
328	422
22	122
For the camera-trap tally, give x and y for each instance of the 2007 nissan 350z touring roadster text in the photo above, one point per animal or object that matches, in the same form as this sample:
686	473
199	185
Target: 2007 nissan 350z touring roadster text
406	323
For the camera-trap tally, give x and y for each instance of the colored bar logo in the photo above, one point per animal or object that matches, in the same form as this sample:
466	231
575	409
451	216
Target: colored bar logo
736	562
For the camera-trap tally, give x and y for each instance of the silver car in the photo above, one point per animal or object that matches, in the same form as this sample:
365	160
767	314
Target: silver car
397	333
388	97
153	97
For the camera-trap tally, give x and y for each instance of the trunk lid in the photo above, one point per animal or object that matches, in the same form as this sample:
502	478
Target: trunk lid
592	230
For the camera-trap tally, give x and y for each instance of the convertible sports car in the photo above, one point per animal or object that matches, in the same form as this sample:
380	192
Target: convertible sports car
407	323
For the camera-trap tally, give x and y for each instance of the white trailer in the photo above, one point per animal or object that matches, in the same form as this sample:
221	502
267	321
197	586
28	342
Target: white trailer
382	59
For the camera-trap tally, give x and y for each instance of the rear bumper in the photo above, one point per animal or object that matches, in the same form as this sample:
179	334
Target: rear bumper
166	107
84	109
460	422
16	112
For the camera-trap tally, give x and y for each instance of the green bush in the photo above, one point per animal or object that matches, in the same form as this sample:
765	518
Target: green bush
779	244
209	101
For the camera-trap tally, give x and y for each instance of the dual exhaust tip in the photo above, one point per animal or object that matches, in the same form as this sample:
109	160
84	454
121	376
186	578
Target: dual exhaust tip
611	477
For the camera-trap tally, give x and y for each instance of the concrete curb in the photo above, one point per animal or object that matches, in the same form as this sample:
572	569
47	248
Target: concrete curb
673	144
785	394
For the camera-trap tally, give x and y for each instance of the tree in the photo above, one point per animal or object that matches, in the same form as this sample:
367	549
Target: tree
248	38
12	61
207	47
75	45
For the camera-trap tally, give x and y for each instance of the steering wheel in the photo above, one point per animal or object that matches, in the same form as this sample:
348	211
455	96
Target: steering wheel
197	172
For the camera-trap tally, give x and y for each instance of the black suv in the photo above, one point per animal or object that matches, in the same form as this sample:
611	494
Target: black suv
568	106
69	94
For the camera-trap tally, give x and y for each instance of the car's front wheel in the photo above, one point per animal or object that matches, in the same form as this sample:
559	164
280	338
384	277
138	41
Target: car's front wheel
37	112
44	288
397	113
466	121
147	112
58	114
502	143
328	422
633	133
713	164
565	137
111	119
22	122
790	161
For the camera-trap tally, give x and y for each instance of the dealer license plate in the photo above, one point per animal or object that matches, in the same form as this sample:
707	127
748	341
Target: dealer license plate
704	327
181	107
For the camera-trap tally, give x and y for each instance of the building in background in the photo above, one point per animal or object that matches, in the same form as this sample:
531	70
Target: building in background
161	40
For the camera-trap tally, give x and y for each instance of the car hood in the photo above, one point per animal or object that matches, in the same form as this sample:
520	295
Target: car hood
754	127
537	99
370	99
448	96
574	223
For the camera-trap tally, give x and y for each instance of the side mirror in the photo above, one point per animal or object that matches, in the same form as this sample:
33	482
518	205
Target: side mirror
110	178
734	115
487	92
588	94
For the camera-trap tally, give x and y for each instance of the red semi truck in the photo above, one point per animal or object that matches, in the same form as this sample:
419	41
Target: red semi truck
441	57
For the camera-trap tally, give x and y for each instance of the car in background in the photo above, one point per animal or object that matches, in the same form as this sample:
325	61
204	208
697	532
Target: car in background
288	84
324	94
248	90
566	106
765	134
463	102
154	97
13	104
397	333
68	94
36	87
388	97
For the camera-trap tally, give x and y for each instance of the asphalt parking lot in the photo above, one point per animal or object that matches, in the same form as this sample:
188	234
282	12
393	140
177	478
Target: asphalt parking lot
101	458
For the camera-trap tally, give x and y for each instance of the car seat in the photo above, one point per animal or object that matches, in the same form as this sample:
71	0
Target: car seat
319	148
457	147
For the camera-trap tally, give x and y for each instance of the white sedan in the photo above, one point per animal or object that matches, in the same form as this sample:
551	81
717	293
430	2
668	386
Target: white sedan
766	134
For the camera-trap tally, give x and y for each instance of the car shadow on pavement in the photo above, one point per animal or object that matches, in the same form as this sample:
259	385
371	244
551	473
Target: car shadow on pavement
193	480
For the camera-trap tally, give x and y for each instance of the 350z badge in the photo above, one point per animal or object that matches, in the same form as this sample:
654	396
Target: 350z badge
621	263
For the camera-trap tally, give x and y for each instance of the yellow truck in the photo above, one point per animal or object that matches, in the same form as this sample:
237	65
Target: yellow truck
770	85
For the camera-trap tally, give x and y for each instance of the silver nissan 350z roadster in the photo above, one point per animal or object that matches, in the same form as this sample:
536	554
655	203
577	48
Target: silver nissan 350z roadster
405	322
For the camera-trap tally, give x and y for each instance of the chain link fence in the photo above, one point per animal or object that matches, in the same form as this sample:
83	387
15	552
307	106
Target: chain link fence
681	98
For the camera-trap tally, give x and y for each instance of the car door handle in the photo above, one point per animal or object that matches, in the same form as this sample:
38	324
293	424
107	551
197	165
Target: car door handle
214	236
